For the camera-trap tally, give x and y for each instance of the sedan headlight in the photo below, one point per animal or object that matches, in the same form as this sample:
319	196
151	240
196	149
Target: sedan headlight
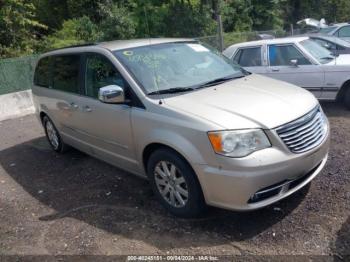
238	143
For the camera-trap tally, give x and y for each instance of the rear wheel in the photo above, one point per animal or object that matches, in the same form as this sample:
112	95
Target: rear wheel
53	136
175	184
347	98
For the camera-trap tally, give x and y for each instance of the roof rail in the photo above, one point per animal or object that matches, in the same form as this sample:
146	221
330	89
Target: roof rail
71	46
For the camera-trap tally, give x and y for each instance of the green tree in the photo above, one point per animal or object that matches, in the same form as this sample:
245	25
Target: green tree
236	16
266	15
51	13
18	28
172	18
117	22
74	31
90	8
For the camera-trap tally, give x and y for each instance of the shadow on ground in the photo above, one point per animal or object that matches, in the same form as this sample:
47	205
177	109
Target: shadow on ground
342	243
78	186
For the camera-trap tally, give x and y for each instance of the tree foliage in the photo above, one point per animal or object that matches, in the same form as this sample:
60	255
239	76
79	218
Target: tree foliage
28	26
74	31
18	28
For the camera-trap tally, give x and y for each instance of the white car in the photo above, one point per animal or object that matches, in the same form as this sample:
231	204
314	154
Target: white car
341	30
300	61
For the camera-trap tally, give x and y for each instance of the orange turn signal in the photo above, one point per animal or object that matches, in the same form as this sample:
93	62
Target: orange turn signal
215	140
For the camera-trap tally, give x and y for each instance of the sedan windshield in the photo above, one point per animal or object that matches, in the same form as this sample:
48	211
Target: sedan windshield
339	41
327	30
320	53
177	67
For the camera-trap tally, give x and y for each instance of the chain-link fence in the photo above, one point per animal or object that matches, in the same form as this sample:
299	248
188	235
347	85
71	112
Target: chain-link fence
16	74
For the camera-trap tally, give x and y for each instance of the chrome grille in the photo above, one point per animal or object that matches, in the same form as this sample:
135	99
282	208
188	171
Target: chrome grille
304	133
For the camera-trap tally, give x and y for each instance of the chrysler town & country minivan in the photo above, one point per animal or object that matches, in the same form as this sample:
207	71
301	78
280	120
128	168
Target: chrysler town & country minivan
199	127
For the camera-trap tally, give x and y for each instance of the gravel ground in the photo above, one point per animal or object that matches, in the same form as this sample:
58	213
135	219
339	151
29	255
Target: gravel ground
73	204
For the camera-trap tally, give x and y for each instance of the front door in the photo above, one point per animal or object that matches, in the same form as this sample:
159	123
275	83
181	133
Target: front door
106	128
304	74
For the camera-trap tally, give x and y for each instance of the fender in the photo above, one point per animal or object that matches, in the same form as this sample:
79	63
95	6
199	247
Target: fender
179	143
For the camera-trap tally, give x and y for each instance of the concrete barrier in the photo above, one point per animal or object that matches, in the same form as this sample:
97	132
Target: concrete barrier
16	104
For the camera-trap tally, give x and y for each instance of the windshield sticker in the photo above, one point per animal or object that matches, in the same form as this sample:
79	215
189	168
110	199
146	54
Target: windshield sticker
128	53
198	48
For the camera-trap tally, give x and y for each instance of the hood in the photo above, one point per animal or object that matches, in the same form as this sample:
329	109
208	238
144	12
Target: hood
313	22
343	59
251	102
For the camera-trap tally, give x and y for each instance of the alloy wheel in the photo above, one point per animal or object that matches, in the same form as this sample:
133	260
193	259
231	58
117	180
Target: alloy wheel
171	184
52	135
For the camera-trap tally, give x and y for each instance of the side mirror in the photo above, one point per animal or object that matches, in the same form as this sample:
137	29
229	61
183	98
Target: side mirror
294	62
111	94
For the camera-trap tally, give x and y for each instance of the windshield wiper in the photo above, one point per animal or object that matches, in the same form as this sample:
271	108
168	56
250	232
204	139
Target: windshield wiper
219	81
171	90
328	57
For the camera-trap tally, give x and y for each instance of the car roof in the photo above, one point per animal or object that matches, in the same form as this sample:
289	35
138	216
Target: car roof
332	39
285	40
337	25
124	44
119	44
274	41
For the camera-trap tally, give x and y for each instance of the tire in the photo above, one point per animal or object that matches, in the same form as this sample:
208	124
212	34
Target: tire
347	98
170	174
53	136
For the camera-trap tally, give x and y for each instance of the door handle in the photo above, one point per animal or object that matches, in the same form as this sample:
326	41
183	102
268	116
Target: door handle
87	109
275	70
74	105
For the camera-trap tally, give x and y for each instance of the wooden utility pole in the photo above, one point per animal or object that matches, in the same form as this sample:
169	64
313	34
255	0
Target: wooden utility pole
217	15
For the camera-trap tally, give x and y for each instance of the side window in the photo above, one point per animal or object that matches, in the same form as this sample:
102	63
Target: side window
42	72
248	57
66	73
281	55
100	72
344	31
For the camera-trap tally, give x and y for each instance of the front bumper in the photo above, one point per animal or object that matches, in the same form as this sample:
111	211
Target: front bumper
236	183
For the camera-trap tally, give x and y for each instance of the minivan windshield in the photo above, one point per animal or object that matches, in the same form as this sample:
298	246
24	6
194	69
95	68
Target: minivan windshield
178	66
323	55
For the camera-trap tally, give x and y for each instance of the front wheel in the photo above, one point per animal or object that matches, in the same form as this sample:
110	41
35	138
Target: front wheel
175	184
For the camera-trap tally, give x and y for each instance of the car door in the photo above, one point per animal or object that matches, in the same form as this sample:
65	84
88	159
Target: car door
304	74
106	128
251	59
63	94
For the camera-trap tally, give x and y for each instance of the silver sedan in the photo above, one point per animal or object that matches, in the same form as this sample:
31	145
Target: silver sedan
300	61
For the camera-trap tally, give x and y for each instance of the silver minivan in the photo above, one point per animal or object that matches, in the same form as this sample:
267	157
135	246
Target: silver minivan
175	111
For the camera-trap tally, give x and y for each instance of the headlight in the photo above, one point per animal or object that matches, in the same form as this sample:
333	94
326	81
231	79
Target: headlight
238	143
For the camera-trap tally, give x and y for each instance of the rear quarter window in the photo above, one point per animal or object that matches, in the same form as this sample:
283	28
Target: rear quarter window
248	57
42	72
